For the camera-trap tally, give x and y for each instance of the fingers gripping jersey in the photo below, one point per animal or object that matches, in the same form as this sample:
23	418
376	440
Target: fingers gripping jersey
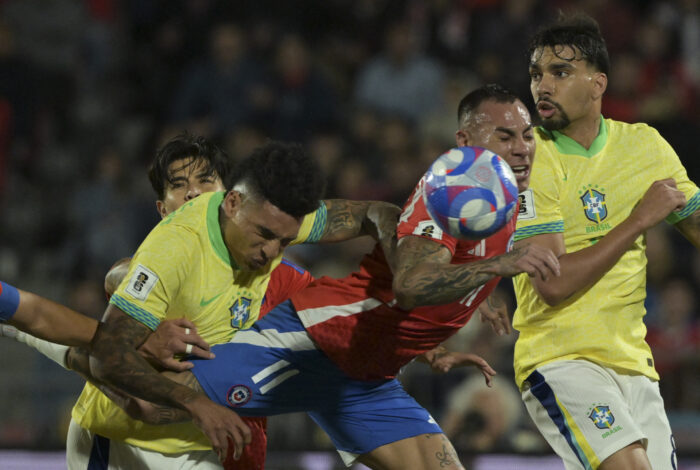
355	320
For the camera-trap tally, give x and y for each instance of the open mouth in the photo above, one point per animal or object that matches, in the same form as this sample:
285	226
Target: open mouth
521	171
546	109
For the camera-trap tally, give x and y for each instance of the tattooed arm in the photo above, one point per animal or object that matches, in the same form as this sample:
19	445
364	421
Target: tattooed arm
350	219
425	276
115	361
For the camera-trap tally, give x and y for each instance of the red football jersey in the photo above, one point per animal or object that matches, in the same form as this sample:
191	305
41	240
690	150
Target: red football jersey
355	321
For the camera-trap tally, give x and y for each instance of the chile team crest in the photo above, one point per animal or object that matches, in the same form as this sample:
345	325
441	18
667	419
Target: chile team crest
240	312
602	417
594	205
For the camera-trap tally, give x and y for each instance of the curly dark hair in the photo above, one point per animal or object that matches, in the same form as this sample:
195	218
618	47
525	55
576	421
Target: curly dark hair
473	99
285	175
184	146
579	31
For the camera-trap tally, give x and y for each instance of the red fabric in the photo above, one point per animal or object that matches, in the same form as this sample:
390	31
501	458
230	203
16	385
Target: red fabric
375	343
253	457
285	280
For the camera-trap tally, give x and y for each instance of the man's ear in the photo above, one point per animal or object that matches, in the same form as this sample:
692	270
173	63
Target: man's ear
232	203
462	137
600	84
160	206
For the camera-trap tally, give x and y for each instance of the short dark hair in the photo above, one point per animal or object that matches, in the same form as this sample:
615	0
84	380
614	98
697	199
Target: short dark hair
184	146
579	31
490	92
285	175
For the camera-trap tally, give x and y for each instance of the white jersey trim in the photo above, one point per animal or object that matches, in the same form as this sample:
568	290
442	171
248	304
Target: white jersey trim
295	340
314	316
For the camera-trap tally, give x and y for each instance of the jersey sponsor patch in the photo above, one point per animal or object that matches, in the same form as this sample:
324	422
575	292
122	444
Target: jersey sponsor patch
141	283
238	395
526	210
428	228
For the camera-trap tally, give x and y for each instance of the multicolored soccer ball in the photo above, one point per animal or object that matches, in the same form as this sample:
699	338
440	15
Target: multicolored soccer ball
470	192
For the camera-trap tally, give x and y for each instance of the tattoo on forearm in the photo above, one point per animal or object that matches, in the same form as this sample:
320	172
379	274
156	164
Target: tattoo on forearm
123	367
344	219
438	286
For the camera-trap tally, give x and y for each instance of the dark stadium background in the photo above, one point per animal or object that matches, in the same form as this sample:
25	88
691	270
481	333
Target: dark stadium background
88	90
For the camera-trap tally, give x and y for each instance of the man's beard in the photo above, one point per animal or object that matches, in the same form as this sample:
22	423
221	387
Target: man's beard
556	123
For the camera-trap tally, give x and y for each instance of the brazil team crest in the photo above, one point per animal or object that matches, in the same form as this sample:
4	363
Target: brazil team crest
602	417
594	205
240	312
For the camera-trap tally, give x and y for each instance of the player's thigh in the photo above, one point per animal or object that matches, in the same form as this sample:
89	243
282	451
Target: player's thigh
86	450
632	457
423	452
581	411
648	410
366	416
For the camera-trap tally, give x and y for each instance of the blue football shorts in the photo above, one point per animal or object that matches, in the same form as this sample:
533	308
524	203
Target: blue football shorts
274	367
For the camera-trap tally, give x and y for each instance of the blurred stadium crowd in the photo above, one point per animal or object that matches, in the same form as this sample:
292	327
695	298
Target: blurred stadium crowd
89	89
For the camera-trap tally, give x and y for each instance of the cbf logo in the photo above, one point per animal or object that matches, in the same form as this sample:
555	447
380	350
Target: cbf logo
602	417
240	311
594	205
238	395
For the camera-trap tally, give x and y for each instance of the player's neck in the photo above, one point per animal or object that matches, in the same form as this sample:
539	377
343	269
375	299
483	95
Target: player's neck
584	130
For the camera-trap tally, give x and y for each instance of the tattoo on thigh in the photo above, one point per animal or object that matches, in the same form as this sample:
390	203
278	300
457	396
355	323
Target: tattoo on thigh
448	456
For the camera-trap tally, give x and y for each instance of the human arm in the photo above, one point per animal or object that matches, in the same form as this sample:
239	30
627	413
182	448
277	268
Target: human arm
581	269
116	361
425	276
349	219
690	228
46	319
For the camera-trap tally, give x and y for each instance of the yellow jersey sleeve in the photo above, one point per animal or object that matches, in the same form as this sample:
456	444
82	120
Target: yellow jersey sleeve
156	272
312	226
540	208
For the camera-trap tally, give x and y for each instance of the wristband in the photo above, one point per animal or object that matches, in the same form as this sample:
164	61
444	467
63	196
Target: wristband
9	300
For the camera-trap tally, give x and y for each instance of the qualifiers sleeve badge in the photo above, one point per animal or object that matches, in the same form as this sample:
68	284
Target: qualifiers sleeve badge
141	282
526	210
428	228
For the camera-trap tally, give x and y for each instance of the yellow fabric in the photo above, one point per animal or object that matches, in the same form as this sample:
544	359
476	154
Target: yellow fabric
586	196
196	279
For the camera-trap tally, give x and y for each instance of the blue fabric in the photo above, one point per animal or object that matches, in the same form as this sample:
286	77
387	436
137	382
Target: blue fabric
9	300
287	374
99	454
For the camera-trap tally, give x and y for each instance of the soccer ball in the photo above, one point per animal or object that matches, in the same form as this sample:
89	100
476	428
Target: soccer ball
470	192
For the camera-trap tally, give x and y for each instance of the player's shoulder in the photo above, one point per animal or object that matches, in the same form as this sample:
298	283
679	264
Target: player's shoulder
626	129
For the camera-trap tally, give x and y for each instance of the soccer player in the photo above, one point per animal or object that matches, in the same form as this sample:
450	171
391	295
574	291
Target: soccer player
184	168
585	371
335	348
221	247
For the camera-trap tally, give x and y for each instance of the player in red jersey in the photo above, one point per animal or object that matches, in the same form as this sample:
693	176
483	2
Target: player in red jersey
334	349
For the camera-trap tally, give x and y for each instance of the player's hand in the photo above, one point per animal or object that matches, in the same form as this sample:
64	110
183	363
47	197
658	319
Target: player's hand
662	198
495	311
221	425
530	258
175	337
444	361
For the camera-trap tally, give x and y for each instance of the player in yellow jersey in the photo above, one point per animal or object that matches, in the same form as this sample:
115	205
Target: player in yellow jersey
585	371
216	253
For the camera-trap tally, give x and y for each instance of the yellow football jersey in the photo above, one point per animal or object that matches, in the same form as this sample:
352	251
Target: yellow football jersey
584	194
183	269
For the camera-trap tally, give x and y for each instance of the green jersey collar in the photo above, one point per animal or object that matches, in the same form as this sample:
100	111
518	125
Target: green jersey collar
214	229
569	146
